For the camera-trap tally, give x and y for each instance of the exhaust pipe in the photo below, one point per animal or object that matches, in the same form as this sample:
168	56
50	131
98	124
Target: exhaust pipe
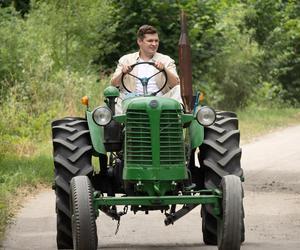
185	65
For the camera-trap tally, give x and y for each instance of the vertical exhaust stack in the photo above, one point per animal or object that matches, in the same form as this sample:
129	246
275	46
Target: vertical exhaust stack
185	65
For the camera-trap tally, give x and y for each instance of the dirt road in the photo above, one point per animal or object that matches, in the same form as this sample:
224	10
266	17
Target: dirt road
272	204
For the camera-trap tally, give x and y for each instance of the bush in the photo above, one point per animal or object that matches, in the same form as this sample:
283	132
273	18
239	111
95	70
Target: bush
234	70
55	36
46	66
285	63
276	26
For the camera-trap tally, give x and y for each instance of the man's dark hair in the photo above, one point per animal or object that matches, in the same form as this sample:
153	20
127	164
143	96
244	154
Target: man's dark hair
145	29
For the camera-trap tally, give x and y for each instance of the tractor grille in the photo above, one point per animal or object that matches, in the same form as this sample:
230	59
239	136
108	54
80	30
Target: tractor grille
138	138
171	141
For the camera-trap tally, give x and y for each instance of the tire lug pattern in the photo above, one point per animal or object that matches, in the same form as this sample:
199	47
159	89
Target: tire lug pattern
219	155
72	154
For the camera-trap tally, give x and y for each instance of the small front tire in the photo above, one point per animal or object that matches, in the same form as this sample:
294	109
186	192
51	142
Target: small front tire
84	230
230	227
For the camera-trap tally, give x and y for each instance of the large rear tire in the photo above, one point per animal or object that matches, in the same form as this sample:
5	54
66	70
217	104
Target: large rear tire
84	228
72	153
220	155
209	227
230	227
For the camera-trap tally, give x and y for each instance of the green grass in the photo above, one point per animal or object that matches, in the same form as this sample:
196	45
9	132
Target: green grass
17	176
255	122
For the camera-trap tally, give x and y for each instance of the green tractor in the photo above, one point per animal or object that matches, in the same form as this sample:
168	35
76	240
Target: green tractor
156	155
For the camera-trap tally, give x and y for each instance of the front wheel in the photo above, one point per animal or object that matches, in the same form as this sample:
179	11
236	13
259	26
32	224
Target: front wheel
230	227
84	230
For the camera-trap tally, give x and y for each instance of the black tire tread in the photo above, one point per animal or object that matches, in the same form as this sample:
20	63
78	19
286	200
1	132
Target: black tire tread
84	224
209	227
221	148
72	153
219	156
231	229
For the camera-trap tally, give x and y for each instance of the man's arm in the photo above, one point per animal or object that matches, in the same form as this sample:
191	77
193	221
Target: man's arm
121	69
173	79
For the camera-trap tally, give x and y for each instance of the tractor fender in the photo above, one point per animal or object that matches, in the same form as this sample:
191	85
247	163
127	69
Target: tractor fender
97	134
196	133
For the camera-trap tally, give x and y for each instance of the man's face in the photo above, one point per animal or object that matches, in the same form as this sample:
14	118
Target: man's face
149	44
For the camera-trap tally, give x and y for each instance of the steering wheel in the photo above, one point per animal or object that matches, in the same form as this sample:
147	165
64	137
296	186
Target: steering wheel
145	80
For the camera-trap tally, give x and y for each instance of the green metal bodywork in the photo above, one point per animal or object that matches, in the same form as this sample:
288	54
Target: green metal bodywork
213	197
196	133
111	91
96	133
154	143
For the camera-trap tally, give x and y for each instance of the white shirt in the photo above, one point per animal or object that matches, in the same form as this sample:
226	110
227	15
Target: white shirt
146	70
133	58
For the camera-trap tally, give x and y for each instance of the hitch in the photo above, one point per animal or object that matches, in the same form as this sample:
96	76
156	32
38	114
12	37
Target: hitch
174	216
113	213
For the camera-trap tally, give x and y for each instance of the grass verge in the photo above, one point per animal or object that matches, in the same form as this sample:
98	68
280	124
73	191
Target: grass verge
255	121
18	177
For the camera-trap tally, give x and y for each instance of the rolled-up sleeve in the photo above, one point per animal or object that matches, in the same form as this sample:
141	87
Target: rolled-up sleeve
172	67
118	70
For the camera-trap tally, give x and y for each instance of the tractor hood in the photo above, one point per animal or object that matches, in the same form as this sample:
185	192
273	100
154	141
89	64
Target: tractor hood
150	103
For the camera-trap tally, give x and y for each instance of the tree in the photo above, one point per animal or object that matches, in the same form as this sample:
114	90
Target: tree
129	15
276	26
22	6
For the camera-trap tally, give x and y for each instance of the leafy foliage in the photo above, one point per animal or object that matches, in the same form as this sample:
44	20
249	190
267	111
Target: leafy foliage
53	52
232	73
46	67
129	15
276	26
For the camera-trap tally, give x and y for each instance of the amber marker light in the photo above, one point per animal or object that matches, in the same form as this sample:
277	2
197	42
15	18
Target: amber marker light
201	97
85	101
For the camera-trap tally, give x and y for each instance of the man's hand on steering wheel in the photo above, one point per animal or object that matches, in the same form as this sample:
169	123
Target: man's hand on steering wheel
126	69
144	81
159	65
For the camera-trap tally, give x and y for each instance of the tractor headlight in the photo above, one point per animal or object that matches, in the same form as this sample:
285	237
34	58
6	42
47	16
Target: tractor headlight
102	115
206	116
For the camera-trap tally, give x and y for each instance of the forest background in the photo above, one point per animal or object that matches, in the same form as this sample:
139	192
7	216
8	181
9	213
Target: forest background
246	58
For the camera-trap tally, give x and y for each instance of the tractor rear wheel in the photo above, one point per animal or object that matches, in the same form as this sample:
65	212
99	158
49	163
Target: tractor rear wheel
209	227
84	228
220	155
230	227
72	153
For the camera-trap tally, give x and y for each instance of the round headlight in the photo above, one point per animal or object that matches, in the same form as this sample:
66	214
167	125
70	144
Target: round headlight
102	116
206	116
